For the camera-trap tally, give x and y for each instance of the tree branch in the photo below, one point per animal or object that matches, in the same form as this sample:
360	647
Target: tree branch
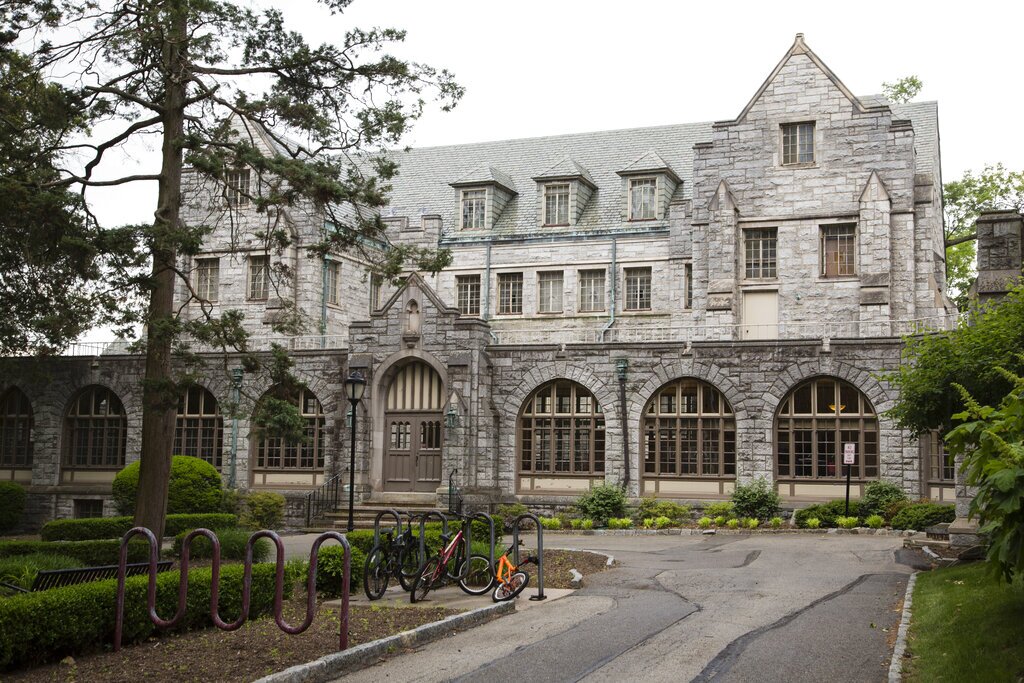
952	242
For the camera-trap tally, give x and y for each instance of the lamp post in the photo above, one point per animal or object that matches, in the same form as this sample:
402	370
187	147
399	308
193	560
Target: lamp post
236	397
355	385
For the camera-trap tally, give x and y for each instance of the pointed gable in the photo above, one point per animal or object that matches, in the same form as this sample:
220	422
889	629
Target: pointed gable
649	164
487	175
566	169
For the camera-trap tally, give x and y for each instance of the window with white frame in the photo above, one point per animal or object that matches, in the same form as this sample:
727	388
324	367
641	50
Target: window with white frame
556	204
376	292
207	279
259	277
333	283
467	294
638	289
510	293
473	204
549	295
688	274
798	143
838	250
642	199
237	187
591	287
760	253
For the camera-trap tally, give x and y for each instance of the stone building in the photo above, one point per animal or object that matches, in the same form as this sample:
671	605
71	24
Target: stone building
674	309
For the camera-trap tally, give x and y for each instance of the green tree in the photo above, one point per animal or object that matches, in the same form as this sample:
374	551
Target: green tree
902	91
183	73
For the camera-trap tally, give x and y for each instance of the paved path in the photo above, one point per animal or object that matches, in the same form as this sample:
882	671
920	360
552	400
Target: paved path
726	608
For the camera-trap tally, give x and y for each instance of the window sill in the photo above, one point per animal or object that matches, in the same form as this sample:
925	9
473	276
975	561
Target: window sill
555	225
839	278
549	314
805	164
642	220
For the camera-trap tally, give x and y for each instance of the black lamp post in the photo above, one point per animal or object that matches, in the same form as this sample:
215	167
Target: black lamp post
355	385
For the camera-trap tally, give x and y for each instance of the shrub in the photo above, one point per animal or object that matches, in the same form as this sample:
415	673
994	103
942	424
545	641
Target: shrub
753	523
506	514
116	527
893	509
587	524
723	508
720	520
875	521
920	516
758	499
232	501
12	505
264	510
21	570
576	523
331	568
602	502
232	546
194	486
733	523
878	496
551	523
87	553
704	523
812	523
648	523
662	522
652	507
776	522
827	513
620	523
847	522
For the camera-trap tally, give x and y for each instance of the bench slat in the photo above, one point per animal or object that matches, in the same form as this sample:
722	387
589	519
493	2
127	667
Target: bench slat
59	578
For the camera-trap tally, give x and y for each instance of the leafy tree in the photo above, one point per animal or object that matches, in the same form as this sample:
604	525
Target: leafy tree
902	91
189	74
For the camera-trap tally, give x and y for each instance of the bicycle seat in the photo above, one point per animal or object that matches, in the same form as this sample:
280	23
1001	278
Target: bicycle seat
446	539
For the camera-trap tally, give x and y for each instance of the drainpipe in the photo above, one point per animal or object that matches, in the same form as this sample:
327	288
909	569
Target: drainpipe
620	366
611	307
486	306
323	302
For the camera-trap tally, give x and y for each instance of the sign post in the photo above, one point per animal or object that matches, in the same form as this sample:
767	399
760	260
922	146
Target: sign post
849	457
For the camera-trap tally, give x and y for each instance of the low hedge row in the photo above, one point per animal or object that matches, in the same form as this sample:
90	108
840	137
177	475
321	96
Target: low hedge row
49	625
88	553
115	527
827	513
233	544
920	516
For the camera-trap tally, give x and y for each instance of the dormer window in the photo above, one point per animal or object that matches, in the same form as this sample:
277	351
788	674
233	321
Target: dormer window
556	204
642	199
237	187
797	143
473	207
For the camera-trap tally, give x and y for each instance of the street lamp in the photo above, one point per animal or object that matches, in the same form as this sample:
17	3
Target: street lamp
236	396
355	385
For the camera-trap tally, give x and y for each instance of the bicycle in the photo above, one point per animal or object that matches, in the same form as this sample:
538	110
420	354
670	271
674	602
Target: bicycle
393	556
450	565
511	579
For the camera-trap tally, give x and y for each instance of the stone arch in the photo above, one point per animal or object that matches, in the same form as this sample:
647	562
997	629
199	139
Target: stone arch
114	457
701	370
796	374
17	429
302	466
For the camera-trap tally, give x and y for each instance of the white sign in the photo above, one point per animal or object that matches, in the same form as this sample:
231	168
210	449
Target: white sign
849	453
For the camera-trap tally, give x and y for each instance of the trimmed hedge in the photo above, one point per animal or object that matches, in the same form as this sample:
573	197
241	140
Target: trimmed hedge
12	505
194	487
116	527
232	546
827	513
88	553
330	568
920	516
49	625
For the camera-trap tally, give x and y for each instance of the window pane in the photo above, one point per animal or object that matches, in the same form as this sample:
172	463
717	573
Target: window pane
838	250
510	293
550	292
591	286
467	288
638	289
259	281
642	199
473	203
760	252
556	204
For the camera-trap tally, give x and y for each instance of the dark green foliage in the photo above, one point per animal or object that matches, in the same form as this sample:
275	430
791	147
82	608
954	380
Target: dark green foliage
49	625
506	514
756	500
602	502
652	507
87	553
233	543
264	510
195	487
12	505
116	527
880	496
723	508
826	513
920	516
21	570
331	569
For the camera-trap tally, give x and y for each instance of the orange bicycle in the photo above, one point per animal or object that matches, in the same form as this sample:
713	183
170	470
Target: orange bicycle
510	578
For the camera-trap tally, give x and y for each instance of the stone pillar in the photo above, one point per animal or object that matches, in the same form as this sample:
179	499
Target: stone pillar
723	216
874	257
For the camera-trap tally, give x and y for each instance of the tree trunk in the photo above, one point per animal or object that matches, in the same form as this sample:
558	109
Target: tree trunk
160	394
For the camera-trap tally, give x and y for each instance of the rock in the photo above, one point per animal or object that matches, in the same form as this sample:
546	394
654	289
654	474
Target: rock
709	532
68	661
577	579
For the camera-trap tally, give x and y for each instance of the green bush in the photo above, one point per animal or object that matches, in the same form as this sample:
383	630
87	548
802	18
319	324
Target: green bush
602	502
232	546
576	523
812	523
49	625
875	521
827	513
704	523
620	522
776	522
551	523
847	522
194	486
733	523
753	523
587	524
86	553
662	522
920	516
720	520
506	514
116	527
264	510
758	500
21	570
723	508
878	496
12	505
648	523
652	507
330	570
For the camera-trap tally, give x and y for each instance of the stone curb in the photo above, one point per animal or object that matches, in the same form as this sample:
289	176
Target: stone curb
338	664
900	649
687	531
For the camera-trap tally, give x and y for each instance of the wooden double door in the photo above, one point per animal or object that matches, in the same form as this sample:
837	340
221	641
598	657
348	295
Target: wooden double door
413	430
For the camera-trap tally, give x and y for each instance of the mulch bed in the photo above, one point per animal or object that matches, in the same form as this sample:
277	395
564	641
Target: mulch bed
557	564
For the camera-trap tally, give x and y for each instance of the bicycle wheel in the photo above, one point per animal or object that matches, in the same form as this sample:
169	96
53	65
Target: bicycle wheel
425	579
457	562
375	573
511	588
477	578
408	566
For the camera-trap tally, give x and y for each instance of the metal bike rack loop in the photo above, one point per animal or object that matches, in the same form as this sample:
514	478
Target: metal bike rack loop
154	552
423	530
376	524
484	517
540	550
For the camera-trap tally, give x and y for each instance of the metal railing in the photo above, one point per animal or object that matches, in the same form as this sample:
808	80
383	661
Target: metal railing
325	497
313	342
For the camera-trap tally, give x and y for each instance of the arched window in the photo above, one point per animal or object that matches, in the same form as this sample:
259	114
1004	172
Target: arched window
561	431
15	429
689	431
276	453
199	428
96	429
815	423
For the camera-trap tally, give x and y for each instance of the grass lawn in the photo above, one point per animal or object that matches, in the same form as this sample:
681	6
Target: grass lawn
966	627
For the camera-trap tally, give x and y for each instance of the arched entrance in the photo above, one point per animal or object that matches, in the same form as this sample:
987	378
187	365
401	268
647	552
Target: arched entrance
413	431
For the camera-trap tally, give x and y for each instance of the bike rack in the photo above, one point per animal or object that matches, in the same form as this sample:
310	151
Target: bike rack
154	552
423	530
376	524
484	517
540	550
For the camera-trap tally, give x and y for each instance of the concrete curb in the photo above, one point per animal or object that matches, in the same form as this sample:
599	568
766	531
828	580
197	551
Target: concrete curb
335	665
900	649
688	531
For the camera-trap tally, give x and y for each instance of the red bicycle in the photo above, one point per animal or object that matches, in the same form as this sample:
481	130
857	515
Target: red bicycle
450	565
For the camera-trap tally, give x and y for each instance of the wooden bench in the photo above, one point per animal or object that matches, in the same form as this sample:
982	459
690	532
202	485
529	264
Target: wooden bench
59	578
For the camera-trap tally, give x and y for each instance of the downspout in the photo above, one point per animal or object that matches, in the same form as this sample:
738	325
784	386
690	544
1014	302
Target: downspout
487	290
611	307
323	302
620	366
